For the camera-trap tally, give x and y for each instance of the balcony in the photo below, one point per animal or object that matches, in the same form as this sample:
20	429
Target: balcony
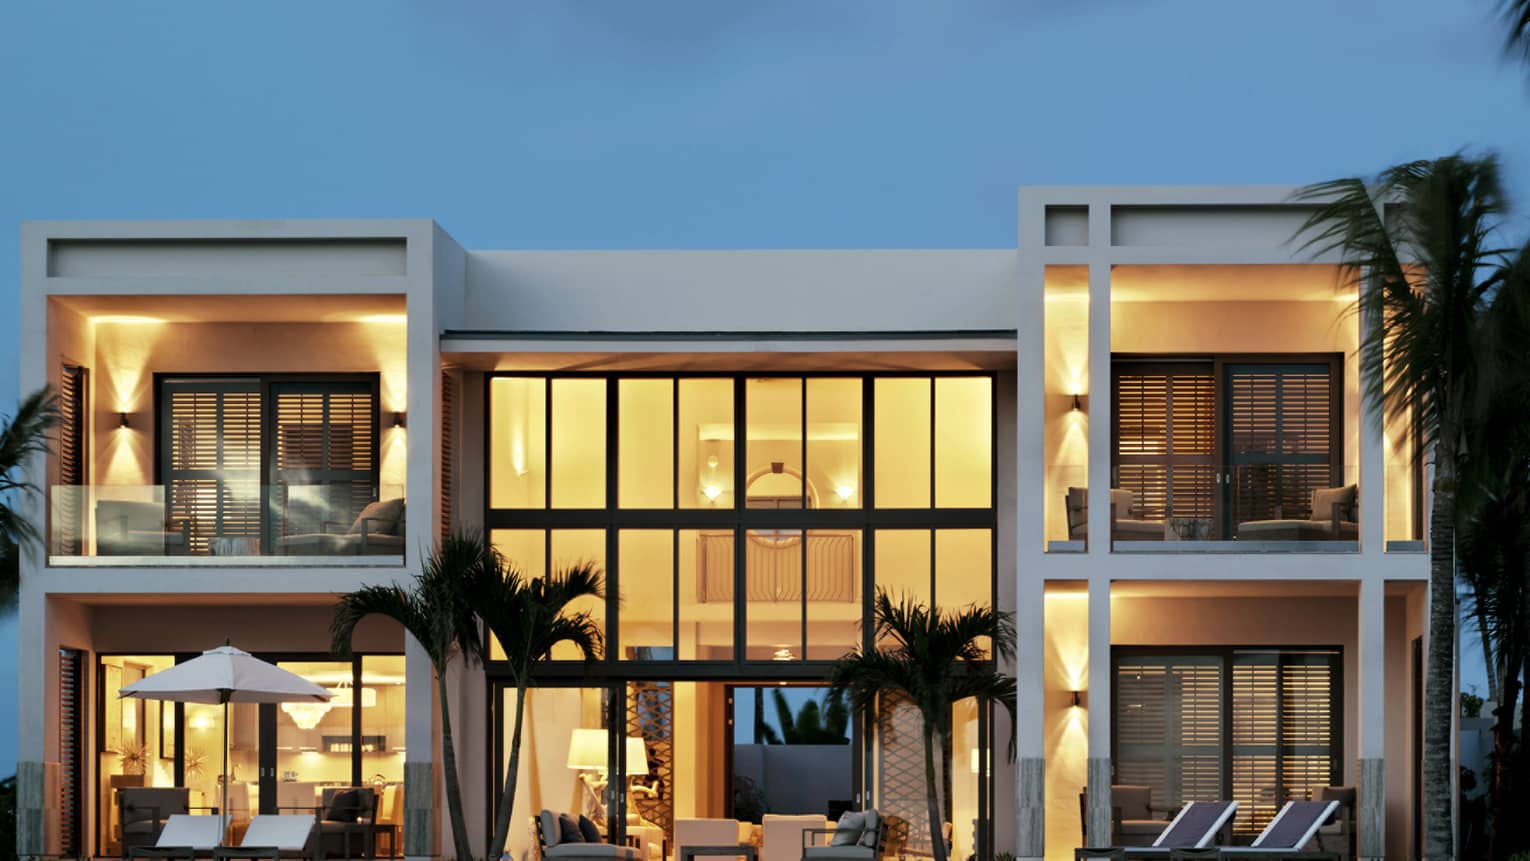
229	524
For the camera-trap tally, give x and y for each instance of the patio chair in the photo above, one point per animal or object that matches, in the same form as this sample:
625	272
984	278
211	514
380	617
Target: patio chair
710	832
856	837
377	531
273	837
1134	819
1338	835
184	836
1335	515
128	528
1125	522
553	843
1289	833
142	812
1196	826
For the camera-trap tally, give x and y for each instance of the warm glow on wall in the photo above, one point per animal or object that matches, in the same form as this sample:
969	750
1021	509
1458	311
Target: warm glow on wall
384	319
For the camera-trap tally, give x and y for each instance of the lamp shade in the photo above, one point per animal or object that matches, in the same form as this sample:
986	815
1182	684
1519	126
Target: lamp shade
637	755
587	750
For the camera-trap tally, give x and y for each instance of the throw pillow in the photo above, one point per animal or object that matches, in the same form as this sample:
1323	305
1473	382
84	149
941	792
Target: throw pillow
383	517
1122	502
550	830
873	827
568	829
588	830
344	806
847	831
1324	500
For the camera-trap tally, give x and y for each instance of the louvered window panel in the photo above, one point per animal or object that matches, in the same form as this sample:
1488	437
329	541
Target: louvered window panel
1281	438
1284	739
210	438
68	511
1165	437
1169	726
324	458
71	717
448	449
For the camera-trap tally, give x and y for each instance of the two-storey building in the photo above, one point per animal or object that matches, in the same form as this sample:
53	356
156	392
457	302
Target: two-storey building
1140	430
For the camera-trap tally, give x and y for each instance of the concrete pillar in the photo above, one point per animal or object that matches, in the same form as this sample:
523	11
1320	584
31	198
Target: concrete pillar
1099	382
32	765
1100	767
1030	544
1370	796
419	760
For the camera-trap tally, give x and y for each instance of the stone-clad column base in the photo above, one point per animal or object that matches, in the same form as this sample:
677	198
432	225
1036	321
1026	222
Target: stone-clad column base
419	808
1371	815
1031	824
1100	825
31	811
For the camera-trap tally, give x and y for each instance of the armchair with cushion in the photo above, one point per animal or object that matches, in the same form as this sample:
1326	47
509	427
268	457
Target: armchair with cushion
1135	820
128	528
345	816
857	836
563	837
377	531
144	810
1126	523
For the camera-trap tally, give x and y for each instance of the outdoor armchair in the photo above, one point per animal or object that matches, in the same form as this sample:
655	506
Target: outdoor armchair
856	837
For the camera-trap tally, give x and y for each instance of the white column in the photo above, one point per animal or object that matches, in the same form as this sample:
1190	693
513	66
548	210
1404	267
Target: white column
1372	468
419	760
1030	542
1099	380
1370	796
1099	765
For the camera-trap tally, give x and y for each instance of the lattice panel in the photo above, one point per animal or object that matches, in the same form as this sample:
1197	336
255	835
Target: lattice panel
651	717
901	793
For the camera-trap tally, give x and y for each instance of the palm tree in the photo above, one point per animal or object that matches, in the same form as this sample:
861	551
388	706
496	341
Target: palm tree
438	615
1426	272
1495	539
529	616
812	724
25	434
1516	17
934	659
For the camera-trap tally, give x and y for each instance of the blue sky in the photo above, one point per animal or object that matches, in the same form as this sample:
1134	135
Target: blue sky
710	124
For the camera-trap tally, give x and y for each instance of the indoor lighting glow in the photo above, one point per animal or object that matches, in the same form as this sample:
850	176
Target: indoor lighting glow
711	492
844	492
306	715
1078	405
783	654
343	699
201	722
383	318
126	319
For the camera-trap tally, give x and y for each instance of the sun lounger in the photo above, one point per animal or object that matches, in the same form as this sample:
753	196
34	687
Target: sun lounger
1195	827
185	835
273	837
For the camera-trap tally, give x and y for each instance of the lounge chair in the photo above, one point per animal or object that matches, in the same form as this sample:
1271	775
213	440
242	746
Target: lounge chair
1126	524
185	835
1288	833
1195	827
856	837
274	837
1334	516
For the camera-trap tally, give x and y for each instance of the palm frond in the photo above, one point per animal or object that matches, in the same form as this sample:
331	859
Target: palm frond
390	602
1516	20
531	616
24	435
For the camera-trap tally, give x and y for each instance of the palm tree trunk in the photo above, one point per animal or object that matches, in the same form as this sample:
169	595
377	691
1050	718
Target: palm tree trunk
449	769
937	838
512	772
1439	698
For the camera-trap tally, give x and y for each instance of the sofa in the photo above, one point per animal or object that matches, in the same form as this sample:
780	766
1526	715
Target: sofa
377	531
576	845
1334	516
127	528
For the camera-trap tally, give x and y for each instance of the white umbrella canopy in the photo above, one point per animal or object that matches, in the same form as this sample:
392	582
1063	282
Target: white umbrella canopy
221	676
226	675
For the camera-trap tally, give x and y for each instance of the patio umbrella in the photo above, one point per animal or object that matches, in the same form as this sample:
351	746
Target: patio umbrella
221	676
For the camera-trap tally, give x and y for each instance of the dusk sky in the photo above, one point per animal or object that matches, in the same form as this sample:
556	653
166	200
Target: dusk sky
711	124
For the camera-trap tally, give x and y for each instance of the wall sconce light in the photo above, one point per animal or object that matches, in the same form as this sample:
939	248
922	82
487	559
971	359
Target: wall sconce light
1076	701
1078	405
122	420
398	420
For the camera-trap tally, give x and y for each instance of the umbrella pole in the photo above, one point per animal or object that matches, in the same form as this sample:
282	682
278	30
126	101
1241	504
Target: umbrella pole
223	802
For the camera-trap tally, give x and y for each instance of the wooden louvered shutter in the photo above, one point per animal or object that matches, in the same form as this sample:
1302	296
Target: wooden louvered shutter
71	739
1285	739
324	457
1168	726
68	510
1165	437
448	449
1282	439
210	436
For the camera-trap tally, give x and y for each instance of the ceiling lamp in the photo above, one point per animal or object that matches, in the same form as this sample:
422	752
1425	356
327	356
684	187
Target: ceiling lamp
306	715
344	696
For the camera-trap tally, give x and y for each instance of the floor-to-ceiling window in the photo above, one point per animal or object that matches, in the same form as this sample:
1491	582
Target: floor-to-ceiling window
744	524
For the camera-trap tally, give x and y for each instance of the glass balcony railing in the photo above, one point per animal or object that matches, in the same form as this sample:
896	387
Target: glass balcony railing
1235	508
226	523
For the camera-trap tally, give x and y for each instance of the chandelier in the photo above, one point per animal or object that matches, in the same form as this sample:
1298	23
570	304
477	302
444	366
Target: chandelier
306	715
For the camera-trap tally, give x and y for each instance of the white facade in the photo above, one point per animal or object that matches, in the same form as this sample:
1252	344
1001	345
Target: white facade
1096	271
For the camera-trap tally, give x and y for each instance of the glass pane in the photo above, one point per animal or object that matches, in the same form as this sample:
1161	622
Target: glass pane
967	767
517	442
773	769
578	443
773	566
571	547
645	620
963	567
773	455
204	761
564	758
903	443
903	563
382	741
706	443
526	549
834	442
314	742
834	593
963	442
706	595
136	739
645	453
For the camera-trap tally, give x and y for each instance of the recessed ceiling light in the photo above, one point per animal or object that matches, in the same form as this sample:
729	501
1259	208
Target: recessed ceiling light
383	318
126	319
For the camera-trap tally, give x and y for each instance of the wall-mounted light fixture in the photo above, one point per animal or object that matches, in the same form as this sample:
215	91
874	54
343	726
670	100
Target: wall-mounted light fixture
122	420
1076	701
398	419
1078	405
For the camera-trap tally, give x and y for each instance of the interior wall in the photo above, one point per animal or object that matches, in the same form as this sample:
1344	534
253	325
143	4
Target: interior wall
1066	446
1066	727
128	355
